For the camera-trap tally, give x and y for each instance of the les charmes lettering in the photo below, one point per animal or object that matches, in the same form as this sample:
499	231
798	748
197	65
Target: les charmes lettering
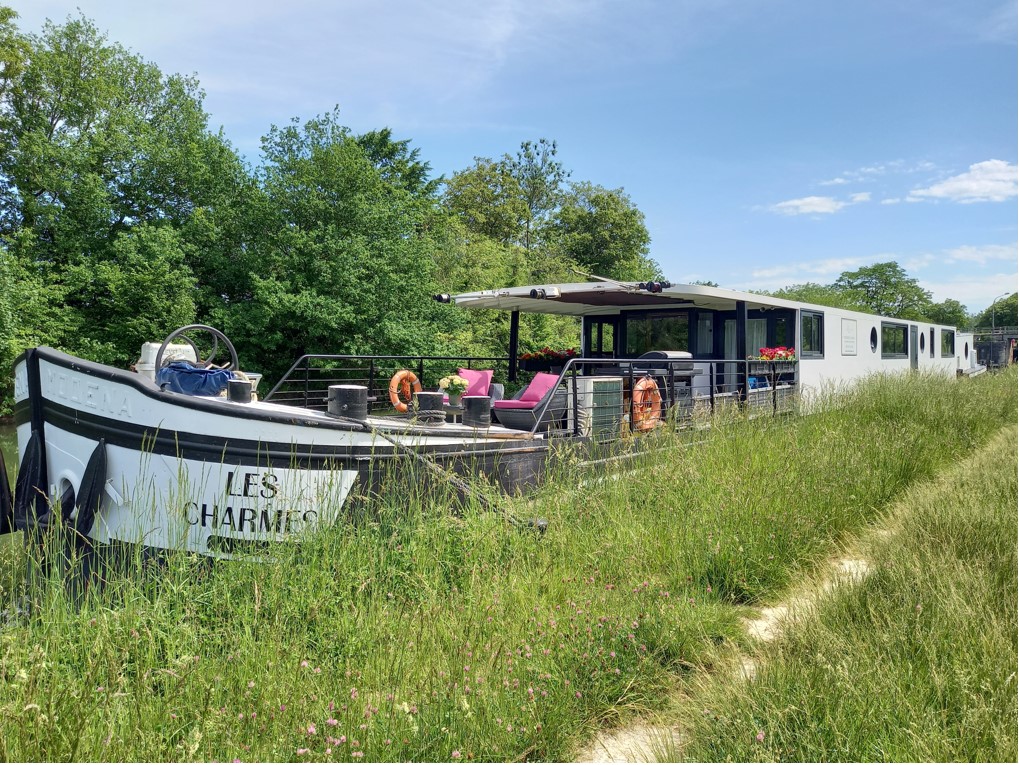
267	520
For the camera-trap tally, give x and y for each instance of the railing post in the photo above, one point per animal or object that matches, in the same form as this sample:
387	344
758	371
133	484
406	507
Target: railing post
371	377
307	368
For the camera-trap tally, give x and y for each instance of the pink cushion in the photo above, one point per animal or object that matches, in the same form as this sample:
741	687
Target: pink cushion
512	403
478	381
542	383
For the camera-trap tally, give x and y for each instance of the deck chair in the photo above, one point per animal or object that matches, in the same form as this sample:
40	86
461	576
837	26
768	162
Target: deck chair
521	411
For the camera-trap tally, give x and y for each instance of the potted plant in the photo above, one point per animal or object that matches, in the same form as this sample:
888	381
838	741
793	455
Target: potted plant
454	386
545	360
772	362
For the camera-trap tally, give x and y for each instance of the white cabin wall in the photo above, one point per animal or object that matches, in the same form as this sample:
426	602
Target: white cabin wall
841	365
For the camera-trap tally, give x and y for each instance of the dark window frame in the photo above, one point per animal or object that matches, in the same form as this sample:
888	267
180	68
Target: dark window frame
804	351
896	327
948	334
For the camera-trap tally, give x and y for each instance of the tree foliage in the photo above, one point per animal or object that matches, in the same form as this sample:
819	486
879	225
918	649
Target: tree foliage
950	312
1001	313
820	294
604	233
885	289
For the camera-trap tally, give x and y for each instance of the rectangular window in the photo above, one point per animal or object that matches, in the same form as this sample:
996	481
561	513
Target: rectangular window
947	343
932	342
656	332
894	340
811	333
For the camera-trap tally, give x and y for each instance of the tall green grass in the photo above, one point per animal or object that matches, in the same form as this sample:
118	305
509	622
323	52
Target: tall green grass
917	663
415	635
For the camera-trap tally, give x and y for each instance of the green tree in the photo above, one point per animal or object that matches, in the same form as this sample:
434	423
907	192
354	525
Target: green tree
949	312
1005	313
98	150
488	200
820	294
344	262
540	178
885	289
398	164
604	233
140	291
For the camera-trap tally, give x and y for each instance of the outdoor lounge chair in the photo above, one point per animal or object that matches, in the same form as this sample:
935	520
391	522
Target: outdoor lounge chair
521	411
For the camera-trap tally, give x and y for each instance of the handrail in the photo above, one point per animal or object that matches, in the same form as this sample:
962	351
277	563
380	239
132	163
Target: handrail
571	364
419	358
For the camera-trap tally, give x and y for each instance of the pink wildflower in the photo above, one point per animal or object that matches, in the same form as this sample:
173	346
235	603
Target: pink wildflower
311	729
760	737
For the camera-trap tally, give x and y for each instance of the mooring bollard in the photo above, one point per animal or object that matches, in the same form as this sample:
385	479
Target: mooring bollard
428	408
350	401
239	391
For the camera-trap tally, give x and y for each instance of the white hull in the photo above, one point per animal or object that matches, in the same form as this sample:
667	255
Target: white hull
210	475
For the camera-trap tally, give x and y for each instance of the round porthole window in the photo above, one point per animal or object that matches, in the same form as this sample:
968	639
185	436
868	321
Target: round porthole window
873	339
921	343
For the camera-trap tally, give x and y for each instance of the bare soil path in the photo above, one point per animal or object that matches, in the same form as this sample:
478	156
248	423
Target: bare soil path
641	740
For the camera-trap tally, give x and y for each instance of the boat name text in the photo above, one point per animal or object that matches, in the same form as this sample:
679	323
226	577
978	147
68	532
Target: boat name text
264	520
87	393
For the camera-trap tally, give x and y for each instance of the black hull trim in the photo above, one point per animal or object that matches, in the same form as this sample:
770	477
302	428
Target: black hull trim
241	451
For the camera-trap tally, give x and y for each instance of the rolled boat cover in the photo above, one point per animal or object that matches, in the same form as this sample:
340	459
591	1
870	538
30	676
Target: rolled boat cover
90	493
185	377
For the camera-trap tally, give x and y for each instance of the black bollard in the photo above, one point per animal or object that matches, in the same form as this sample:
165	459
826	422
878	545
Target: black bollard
349	401
428	408
239	391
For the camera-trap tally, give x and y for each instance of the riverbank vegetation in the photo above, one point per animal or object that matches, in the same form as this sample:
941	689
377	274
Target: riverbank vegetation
411	634
915	663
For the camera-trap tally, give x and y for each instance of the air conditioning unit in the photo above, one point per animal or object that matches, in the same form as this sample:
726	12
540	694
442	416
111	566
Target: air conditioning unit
599	409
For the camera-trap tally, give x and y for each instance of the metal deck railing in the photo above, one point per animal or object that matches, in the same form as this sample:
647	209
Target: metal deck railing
307	382
593	397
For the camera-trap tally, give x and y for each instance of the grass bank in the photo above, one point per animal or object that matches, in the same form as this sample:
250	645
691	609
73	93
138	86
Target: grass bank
417	636
916	663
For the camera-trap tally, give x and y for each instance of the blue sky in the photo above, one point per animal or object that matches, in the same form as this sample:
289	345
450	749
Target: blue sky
768	142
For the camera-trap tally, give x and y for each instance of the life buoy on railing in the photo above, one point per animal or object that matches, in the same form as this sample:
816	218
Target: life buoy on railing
402	383
647	404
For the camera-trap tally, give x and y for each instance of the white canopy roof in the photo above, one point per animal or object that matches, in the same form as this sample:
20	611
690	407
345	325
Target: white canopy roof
608	298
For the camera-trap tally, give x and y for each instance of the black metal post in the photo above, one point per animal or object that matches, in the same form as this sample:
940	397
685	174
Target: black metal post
514	340
741	349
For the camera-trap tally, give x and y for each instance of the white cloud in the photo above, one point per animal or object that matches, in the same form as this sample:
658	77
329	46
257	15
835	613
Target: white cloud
817	205
823	271
840	181
975	292
982	254
990	181
891	201
808	206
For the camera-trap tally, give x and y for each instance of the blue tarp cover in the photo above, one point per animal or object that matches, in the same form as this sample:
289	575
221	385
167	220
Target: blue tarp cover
185	377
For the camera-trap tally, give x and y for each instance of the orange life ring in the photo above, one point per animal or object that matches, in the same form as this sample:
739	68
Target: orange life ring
647	404
401	383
